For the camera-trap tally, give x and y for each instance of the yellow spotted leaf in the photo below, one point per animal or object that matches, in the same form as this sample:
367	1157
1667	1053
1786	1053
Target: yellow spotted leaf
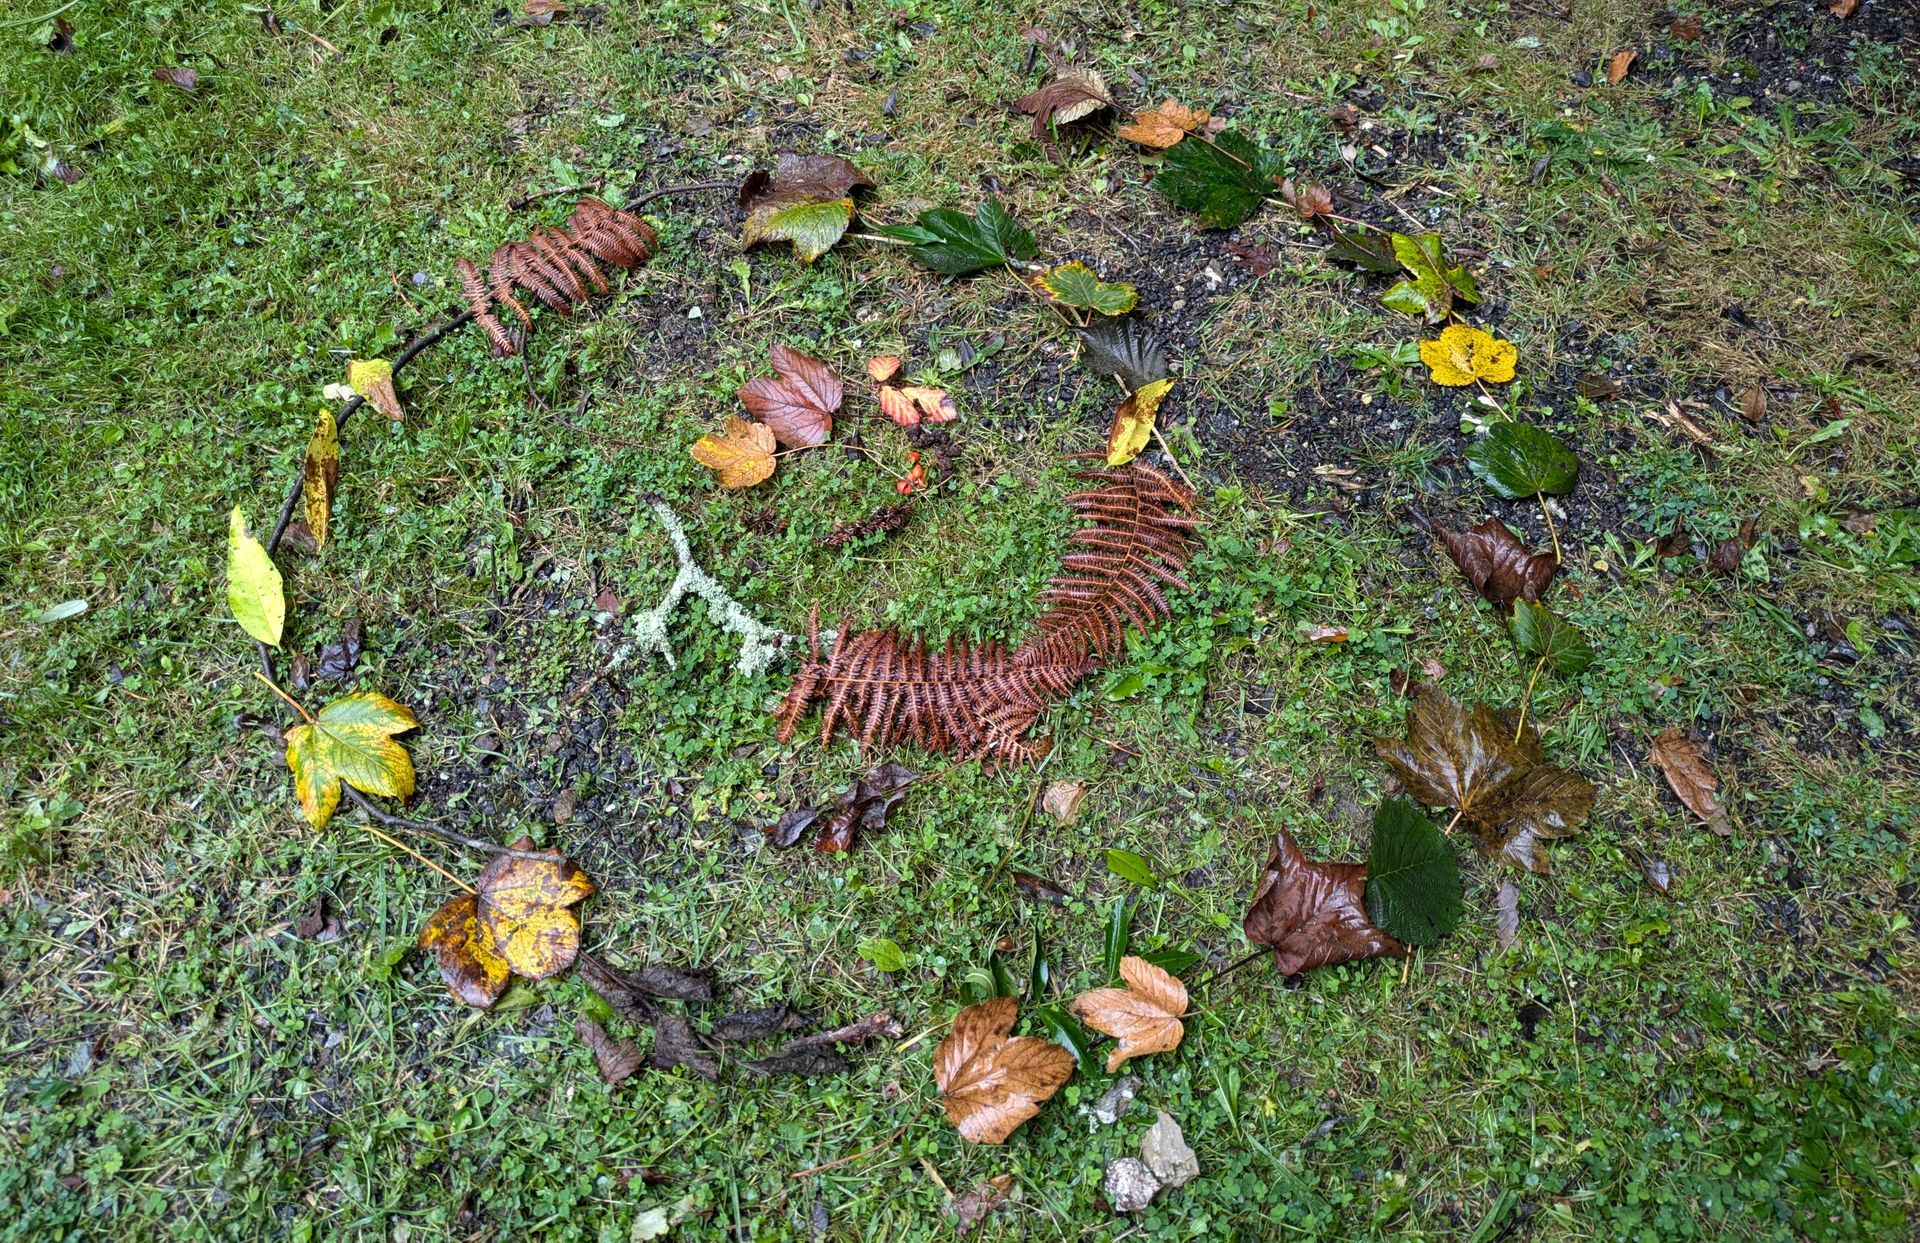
1464	354
525	911
469	962
1133	422
739	458
350	740
372	378
318	476
254	591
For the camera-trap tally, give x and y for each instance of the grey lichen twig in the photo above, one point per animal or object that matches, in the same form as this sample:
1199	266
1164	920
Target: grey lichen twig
759	644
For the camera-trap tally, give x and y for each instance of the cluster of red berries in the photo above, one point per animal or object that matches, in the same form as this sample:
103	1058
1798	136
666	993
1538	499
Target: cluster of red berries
915	479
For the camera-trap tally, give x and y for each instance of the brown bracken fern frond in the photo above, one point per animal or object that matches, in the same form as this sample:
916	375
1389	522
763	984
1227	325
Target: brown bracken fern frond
885	690
561	267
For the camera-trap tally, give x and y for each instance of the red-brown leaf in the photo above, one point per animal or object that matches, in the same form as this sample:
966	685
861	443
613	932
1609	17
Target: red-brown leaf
1500	567
1313	914
1685	767
798	401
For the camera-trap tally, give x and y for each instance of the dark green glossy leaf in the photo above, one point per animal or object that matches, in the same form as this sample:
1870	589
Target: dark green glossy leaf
1124	347
1223	181
1003	981
1069	1033
1413	878
1172	961
1539	631
1119	929
1367	249
1519	460
1040	976
949	242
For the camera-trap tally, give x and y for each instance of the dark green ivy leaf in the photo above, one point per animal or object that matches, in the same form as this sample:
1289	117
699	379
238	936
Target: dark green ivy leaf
1519	460
1538	631
1413	879
1222	181
1367	249
955	244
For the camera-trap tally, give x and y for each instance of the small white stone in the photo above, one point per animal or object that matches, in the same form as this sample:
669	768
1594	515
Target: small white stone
1130	1185
1164	1151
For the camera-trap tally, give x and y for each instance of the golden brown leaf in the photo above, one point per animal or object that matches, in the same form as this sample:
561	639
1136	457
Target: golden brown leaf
1062	800
1144	1016
525	911
1843	8
1619	63
318	476
740	458
472	968
372	378
1313	914
1133	422
910	405
991	1082
1164	126
797	401
1685	767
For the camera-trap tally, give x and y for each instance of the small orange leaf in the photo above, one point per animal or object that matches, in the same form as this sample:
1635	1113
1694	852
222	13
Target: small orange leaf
1164	126
1144	1016
1619	63
883	368
1843	8
739	458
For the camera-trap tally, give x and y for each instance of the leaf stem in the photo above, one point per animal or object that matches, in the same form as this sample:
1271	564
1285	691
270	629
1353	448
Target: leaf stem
1551	533
1162	442
1520	727
1230	968
394	841
289	698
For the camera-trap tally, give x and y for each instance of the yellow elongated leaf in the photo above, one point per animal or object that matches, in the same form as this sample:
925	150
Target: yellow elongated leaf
1133	422
372	378
319	475
351	741
254	590
741	457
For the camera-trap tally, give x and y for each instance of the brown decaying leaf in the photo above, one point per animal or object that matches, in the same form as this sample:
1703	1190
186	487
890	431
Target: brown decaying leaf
617	1059
1619	63
1726	558
1309	199
1144	1016
991	1081
542	12
797	401
987	1198
473	972
1071	95
1687	28
675	1043
1260	260
1506	910
1038	888
1753	403
1164	126
802	178
1500	567
1502	786
1843	8
526	910
819	1053
883	367
884	521
1313	914
551	265
863	805
759	1024
1684	764
1062	801
1659	873
178	76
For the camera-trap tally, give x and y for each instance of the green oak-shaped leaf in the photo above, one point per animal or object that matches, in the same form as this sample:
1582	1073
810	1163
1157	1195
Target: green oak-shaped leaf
1075	285
812	227
1223	181
956	244
1432	282
1519	460
1538	631
1413	878
254	590
350	740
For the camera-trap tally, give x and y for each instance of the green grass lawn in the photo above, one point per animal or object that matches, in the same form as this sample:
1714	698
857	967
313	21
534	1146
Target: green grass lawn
183	1056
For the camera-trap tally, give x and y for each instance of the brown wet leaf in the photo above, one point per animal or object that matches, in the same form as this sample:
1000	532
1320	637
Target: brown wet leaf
1843	8
910	404
525	911
761	1023
1726	558
1164	126
1313	914
1496	777
676	1044
797	401
1144	1016
1500	567
1309	199
1753	403
1062	801
984	1200
469	963
819	1054
812	178
1619	63
1486	62
1039	888
1260	260
1506	911
1071	95
629	992
1346	119
617	1059
863	805
1659	873
542	13
178	76
1684	764
991	1081
1687	28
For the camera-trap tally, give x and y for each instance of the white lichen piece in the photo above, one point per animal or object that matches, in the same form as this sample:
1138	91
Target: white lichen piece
760	644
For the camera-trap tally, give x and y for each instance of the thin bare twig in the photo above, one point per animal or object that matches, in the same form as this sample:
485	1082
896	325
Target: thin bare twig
528	200
640	200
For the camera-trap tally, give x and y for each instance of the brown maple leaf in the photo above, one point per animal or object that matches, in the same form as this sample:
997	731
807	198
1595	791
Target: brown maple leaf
1500	567
798	401
1685	766
1495	775
740	457
1164	126
1070	96
1619	63
1313	914
617	1059
1144	1016
991	1082
1309	199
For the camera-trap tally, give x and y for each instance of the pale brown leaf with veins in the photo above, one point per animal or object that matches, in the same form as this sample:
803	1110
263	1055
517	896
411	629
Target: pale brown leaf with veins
798	401
1074	94
1144	1017
617	1059
1685	767
990	1082
1164	126
1313	914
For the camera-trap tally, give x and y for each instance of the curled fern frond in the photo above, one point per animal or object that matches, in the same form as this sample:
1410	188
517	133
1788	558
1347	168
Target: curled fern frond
562	267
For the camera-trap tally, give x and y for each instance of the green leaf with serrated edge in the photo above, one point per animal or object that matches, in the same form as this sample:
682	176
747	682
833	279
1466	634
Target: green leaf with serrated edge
1413	878
1075	285
1519	460
813	227
1223	181
254	590
1539	632
1069	1033
1119	929
1132	868
1426	297
1424	254
956	244
351	741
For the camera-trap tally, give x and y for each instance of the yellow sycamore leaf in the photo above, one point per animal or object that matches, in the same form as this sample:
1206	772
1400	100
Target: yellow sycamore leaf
1164	126
372	378
524	911
318	476
739	458
469	963
350	740
1464	354
1133	422
254	590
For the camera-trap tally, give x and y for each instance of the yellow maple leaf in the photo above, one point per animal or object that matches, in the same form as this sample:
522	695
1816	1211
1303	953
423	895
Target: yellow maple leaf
1464	354
1133	422
740	457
